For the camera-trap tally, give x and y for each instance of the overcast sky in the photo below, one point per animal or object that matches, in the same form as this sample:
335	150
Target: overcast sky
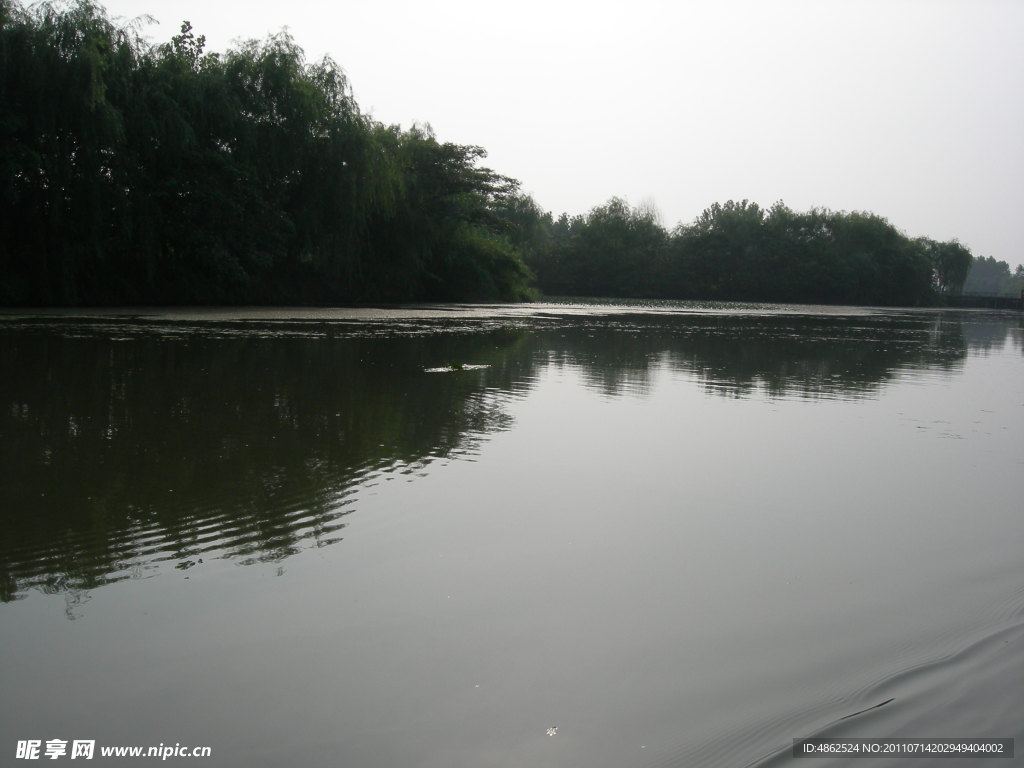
911	109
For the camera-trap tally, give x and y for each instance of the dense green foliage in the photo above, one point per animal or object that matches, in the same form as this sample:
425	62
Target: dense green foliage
739	251
134	173
131	172
988	276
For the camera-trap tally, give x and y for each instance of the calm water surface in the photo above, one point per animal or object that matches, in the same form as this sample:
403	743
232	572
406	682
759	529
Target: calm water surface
682	536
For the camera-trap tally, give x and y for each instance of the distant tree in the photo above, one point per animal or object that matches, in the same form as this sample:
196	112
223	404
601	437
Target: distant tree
743	218
737	251
988	276
798	244
612	251
951	263
725	250
528	226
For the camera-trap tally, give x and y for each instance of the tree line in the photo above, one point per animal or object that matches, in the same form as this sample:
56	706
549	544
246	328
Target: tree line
741	251
140	173
162	173
991	277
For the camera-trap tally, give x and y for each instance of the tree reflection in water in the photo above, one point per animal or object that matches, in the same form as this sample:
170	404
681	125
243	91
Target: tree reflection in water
130	446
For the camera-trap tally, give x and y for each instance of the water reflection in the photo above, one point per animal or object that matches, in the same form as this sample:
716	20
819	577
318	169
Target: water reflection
130	446
777	355
123	453
986	333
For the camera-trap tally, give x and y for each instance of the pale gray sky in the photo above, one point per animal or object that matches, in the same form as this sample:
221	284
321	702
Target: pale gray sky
911	109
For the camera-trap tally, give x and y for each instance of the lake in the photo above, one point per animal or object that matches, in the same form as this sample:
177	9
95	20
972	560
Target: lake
545	535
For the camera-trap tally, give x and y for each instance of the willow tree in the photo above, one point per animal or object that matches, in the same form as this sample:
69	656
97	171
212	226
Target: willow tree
951	263
165	173
445	237
65	71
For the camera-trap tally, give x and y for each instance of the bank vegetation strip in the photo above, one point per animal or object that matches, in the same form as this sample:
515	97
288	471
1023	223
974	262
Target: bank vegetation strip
133	173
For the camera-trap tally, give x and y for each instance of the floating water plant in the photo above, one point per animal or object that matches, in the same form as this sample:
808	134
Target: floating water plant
453	367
